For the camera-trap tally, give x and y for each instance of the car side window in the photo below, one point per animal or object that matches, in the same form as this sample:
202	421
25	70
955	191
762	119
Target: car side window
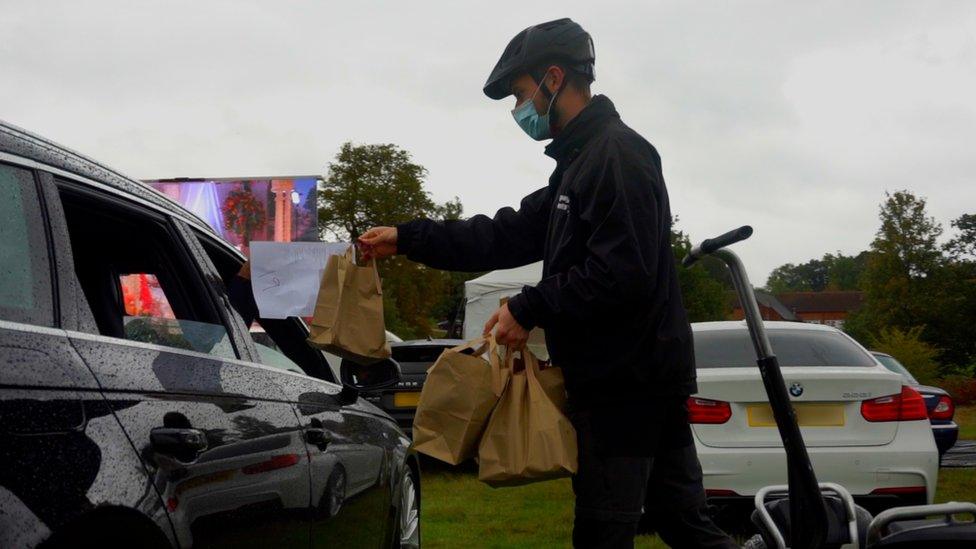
25	273
270	356
139	282
149	318
281	343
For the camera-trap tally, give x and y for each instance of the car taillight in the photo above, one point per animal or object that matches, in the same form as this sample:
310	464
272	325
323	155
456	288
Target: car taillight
907	406
945	409
275	462
703	410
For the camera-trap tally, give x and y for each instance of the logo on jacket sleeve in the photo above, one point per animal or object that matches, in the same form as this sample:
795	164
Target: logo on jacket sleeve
563	202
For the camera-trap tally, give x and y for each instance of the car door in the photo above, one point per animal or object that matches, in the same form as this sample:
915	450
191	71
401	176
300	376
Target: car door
353	447
352	455
220	442
42	408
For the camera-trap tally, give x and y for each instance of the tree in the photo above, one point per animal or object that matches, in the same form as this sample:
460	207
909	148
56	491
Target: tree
806	277
964	244
832	272
908	347
910	285
844	272
370	185
904	257
705	296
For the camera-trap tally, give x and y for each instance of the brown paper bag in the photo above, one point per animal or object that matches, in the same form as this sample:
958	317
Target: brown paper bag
458	395
528	438
348	319
551	379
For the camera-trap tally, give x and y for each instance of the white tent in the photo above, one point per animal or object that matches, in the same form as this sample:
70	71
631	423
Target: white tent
483	295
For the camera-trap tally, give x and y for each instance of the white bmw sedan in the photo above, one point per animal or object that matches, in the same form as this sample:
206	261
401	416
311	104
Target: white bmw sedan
863	427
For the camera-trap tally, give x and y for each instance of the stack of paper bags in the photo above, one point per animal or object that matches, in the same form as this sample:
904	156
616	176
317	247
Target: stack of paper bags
513	420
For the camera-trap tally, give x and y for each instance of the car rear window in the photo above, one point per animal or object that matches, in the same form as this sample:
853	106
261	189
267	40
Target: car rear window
733	349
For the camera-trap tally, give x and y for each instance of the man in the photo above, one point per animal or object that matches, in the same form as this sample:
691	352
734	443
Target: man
608	299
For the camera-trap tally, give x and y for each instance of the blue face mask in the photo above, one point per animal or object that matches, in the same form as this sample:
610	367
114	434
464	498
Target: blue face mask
529	119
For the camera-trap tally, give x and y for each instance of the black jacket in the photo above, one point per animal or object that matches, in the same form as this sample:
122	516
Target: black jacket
609	299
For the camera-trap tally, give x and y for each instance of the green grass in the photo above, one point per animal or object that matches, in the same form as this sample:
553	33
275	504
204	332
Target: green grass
956	485
459	511
966	418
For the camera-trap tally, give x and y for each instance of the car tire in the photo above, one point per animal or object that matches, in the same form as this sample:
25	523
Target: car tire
407	532
335	493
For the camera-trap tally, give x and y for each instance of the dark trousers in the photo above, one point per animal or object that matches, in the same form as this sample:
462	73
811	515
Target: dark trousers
636	456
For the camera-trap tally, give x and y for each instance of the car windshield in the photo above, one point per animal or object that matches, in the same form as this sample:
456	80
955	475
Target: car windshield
814	348
892	364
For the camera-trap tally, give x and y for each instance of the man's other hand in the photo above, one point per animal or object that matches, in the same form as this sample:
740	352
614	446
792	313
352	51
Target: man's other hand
378	243
508	331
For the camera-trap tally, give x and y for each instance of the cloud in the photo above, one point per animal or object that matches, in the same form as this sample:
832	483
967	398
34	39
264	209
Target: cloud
794	118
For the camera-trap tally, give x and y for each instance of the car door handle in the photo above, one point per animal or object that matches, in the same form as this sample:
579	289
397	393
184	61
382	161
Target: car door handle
184	443
317	436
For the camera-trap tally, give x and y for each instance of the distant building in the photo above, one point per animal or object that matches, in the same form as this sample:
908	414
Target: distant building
830	308
244	209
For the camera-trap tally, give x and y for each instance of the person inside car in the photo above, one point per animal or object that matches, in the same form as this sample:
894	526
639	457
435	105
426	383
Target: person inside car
608	300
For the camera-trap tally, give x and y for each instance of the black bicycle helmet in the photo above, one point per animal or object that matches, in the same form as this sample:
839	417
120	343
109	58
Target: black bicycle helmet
560	40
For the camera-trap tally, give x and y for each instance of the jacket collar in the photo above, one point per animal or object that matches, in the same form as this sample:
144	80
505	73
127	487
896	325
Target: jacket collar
570	141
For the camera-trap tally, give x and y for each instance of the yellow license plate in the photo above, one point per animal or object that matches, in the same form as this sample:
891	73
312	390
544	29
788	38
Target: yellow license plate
807	415
406	400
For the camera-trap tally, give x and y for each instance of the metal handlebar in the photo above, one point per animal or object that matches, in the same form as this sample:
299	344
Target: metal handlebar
808	516
878	526
711	245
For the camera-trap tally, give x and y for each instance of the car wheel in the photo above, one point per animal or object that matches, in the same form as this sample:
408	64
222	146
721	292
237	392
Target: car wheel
408	515
335	492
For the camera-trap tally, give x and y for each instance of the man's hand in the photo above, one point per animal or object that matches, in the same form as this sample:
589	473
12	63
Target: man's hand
508	331
378	243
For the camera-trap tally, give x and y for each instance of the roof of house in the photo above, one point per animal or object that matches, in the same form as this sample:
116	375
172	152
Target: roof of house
769	300
818	302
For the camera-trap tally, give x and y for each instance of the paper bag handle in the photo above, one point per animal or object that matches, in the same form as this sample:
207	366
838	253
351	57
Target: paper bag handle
471	345
531	362
497	379
351	256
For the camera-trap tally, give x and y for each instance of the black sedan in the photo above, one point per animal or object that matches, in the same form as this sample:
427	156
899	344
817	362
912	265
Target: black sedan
937	401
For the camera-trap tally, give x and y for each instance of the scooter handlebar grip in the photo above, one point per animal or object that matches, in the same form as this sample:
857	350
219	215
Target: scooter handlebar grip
736	235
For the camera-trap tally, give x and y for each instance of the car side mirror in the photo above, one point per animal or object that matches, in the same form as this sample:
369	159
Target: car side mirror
369	377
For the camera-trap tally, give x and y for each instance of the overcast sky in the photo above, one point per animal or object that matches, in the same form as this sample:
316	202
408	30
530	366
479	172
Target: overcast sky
793	118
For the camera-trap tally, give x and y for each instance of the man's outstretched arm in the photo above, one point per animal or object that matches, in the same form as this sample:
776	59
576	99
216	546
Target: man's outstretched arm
481	243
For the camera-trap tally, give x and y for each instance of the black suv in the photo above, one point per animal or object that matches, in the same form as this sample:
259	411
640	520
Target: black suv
167	425
414	358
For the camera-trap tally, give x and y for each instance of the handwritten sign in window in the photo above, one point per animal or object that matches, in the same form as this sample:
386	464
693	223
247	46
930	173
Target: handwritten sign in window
285	276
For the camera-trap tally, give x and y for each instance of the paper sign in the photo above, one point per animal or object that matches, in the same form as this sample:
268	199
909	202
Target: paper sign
285	276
